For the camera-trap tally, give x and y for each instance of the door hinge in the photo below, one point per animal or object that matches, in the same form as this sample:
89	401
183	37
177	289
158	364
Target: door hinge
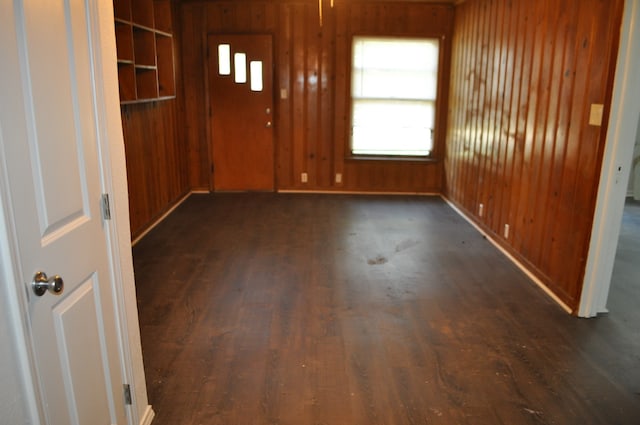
106	208
127	394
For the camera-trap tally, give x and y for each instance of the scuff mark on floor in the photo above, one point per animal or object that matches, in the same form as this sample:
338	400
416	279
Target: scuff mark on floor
379	259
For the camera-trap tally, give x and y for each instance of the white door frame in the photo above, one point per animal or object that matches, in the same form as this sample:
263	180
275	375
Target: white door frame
113	174
616	165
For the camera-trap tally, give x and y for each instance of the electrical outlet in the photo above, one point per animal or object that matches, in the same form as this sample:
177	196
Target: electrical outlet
304	177
338	177
506	231
480	210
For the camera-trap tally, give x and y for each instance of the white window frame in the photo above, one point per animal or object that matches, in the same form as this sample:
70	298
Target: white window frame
398	100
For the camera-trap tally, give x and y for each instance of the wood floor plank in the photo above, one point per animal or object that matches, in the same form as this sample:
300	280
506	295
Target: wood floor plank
327	309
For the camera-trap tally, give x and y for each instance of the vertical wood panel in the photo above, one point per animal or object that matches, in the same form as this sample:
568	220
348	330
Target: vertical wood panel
313	69
156	149
298	93
524	80
284	130
195	112
155	164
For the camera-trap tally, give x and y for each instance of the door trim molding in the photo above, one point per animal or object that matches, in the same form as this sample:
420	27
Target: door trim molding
625	109
114	180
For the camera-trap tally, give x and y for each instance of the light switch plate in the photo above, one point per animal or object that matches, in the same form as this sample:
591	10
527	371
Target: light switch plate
595	117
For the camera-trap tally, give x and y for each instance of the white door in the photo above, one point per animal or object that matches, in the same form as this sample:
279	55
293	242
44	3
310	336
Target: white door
50	140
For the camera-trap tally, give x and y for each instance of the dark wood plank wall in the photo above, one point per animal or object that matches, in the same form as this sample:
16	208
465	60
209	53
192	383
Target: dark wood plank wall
524	75
156	170
156	154
312	65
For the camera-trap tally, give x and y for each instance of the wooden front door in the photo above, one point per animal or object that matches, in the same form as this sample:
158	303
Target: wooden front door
241	99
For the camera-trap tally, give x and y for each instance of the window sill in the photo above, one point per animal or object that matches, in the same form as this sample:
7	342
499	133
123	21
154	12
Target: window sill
377	158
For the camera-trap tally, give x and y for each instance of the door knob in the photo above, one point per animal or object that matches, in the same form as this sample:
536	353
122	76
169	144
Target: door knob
41	283
268	125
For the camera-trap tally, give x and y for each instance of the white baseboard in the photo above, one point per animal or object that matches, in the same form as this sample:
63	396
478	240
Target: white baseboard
148	416
352	192
162	217
513	259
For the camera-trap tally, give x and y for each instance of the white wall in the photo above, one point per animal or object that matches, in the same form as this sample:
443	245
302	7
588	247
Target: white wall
634	176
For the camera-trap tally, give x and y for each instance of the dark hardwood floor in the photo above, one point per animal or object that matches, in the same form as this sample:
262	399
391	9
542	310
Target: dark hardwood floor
344	310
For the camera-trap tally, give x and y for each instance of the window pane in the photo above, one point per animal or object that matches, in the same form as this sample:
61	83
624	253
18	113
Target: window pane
256	75
240	64
399	84
392	127
224	59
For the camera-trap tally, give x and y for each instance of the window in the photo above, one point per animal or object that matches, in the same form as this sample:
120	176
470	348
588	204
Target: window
224	59
393	96
240	67
240	62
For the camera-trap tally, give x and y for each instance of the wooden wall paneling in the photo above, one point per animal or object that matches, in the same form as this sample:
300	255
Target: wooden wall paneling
517	17
136	178
497	145
456	153
589	163
490	105
565	106
298	94
154	148
535	203
312	110
470	182
154	161
501	132
462	81
193	19
568	249
527	52
525	79
313	71
341	90
243	18
553	113
470	179
326	79
444	80
524	217
485	105
493	154
284	130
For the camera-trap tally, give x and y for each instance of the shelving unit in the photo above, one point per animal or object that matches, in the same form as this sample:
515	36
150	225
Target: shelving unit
144	42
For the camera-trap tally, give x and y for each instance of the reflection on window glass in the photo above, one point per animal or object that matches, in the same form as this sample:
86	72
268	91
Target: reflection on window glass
240	67
393	93
256	75
224	59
